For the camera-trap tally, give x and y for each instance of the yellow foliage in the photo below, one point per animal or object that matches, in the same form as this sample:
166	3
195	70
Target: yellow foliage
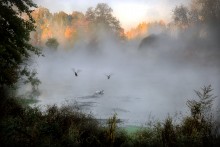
46	33
140	30
69	32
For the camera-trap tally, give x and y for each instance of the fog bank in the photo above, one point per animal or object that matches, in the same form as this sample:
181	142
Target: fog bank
157	80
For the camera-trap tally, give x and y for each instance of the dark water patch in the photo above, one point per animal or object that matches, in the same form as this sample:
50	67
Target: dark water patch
86	104
120	110
89	97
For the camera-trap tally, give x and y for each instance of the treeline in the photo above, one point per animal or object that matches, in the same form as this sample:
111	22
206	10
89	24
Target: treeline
201	18
70	28
142	29
61	26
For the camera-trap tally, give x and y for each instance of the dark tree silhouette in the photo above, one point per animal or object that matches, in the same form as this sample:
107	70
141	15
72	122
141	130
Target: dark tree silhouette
181	16
16	23
52	43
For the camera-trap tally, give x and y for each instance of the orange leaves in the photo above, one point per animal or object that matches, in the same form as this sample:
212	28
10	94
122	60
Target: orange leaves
139	31
46	33
142	29
70	32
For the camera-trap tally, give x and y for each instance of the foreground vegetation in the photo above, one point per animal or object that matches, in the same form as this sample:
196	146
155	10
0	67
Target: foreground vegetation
22	125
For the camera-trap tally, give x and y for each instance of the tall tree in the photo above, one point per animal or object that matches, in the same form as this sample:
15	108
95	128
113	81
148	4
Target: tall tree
16	23
43	22
181	16
101	16
203	11
203	15
208	10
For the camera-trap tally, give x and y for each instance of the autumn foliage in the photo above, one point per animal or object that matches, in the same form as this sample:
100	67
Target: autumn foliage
70	28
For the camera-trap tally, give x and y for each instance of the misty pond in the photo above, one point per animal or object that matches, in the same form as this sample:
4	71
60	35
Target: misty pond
142	84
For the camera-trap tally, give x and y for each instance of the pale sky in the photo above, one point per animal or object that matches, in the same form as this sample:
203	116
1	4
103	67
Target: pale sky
129	12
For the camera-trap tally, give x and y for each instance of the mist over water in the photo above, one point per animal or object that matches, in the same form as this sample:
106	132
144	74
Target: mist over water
152	82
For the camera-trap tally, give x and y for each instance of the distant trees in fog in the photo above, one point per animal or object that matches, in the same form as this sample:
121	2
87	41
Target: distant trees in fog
66	28
181	16
70	28
200	11
193	34
101	17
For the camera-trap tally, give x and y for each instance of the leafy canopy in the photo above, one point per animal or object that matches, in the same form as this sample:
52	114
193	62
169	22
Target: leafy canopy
16	23
200	11
101	17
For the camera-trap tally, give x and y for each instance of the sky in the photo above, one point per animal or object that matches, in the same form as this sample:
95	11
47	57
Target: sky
129	12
